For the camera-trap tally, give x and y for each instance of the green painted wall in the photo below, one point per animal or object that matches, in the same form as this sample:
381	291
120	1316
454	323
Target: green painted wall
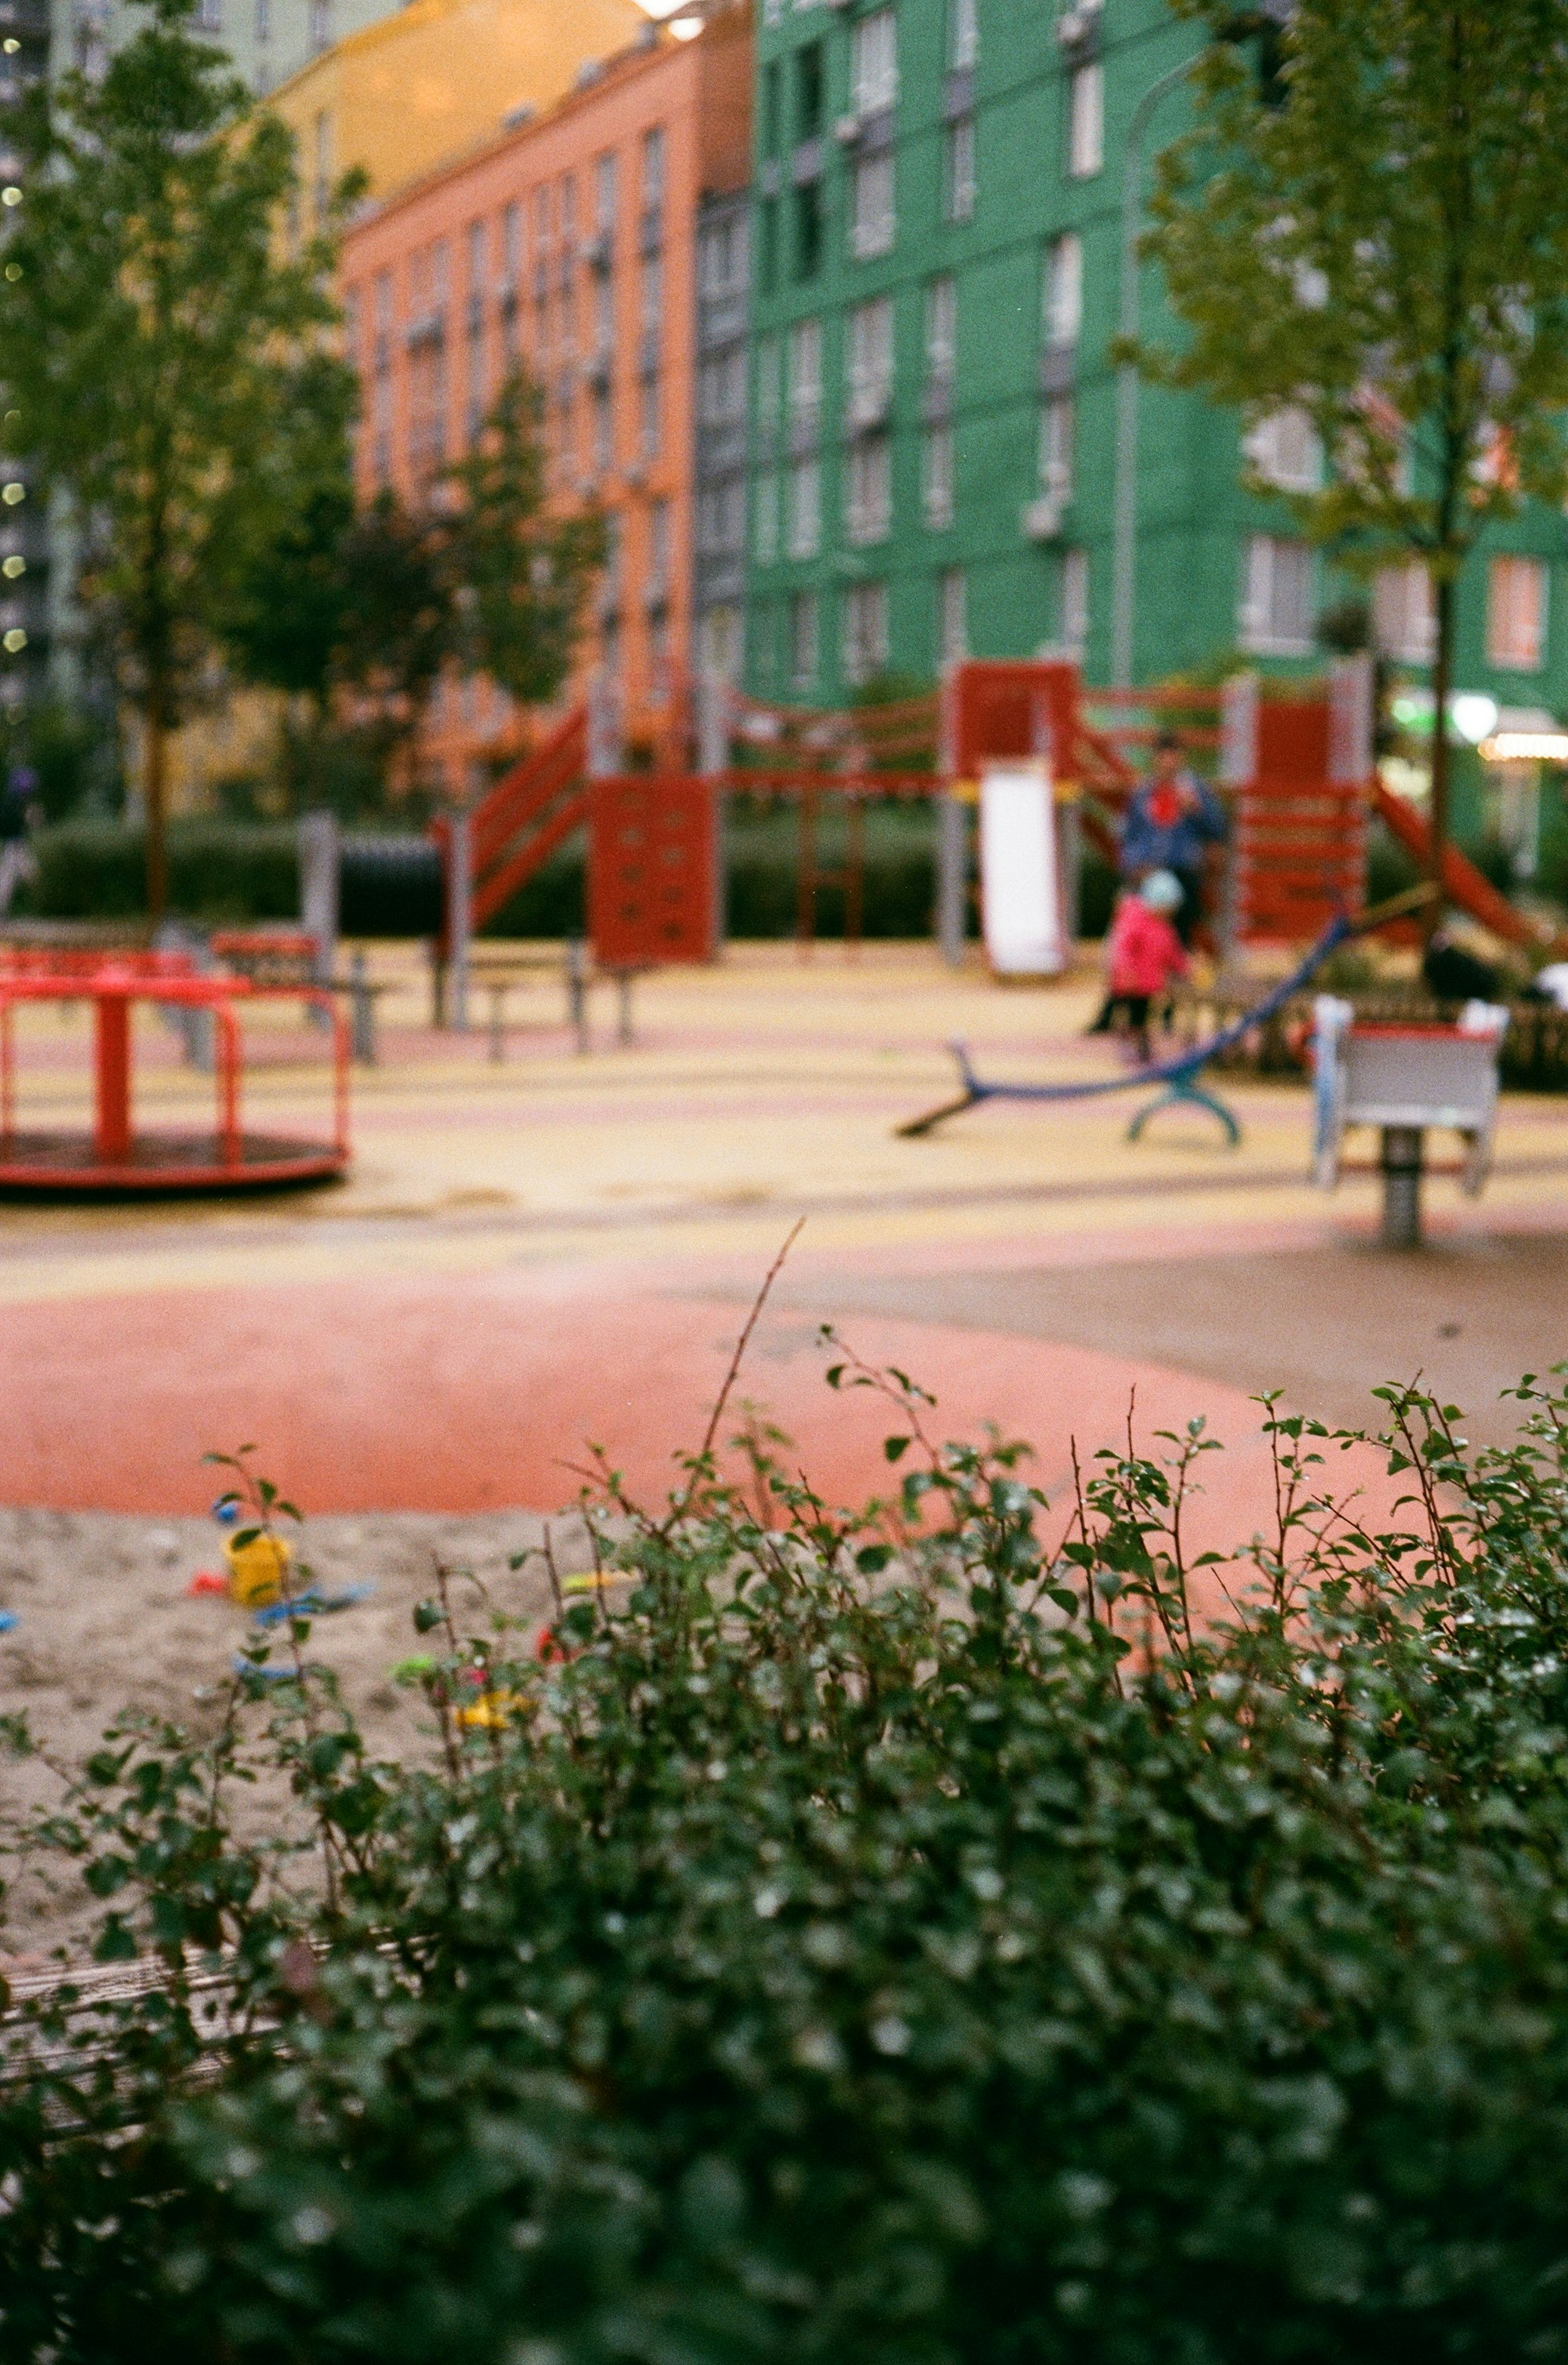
1194	517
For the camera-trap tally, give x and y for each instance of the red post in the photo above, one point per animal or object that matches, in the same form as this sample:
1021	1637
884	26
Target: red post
228	1083
112	1128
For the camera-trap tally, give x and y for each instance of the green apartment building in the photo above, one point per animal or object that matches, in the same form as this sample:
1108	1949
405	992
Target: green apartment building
936	286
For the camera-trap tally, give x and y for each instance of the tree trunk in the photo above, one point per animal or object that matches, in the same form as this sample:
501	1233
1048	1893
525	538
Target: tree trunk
1442	678
154	795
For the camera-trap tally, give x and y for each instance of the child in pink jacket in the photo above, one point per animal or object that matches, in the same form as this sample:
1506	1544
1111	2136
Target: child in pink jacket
1143	953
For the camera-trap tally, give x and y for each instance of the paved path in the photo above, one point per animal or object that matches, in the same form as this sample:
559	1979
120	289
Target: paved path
558	1249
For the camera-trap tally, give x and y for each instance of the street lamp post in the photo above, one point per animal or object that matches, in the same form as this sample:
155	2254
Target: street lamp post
1123	499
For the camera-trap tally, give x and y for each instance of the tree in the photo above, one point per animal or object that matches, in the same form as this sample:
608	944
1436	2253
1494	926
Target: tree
367	608
1375	229
161	350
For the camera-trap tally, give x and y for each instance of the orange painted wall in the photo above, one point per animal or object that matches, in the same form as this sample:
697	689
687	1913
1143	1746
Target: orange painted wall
401	96
464	249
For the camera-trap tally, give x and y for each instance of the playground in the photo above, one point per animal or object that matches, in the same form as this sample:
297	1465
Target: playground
527	1224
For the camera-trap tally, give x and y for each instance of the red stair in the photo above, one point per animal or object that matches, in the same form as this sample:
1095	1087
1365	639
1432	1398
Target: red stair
531	811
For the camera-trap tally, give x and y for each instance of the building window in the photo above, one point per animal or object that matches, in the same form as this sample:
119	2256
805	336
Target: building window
1073	603
1516	613
649	416
604	180
805	373
804	525
1085	120
1284	451
321	34
936	476
720	389
942	329
868	491
722	257
1061	293
803	649
210	16
263	20
808	219
952	617
601	430
653	176
765	519
865	652
1405	621
719	644
959	186
870	361
809	90
871	220
767	112
963	34
1277	617
769	377
768	245
874	63
1056	450
651	296
658	551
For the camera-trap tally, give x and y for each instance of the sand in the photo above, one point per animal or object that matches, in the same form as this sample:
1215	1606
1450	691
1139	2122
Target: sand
104	1620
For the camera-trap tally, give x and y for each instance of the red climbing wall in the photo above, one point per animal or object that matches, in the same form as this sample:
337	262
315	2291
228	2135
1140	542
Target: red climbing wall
651	895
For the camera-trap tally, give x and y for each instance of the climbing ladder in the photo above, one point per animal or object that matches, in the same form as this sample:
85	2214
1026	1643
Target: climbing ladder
531	811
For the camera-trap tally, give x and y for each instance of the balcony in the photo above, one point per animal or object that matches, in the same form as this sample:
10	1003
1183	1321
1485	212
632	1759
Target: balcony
425	328
870	403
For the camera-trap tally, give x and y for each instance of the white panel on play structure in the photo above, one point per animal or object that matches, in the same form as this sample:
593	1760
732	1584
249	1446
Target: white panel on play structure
1020	871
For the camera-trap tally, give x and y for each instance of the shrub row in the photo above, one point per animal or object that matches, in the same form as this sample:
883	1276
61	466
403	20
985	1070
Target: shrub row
235	873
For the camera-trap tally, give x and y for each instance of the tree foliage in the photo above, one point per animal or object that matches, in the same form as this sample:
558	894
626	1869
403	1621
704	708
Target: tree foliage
1376	231
361	610
907	1937
163	357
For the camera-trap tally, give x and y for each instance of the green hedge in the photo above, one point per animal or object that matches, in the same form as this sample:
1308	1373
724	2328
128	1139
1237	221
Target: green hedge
234	872
905	1939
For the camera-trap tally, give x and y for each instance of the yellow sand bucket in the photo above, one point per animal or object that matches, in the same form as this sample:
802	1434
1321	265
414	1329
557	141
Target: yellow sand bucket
257	1570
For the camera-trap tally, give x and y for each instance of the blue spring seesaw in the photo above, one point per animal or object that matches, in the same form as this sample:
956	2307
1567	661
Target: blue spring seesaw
1177	1077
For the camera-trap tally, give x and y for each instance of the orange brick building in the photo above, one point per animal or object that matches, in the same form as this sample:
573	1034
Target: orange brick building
567	247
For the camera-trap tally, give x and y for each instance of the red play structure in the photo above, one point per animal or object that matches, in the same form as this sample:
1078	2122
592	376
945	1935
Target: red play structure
118	1155
1296	768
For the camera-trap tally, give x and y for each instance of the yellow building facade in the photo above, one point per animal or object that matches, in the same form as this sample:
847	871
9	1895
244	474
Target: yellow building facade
404	95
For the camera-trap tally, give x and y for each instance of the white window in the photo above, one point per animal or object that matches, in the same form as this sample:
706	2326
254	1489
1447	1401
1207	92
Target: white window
874	63
1404	623
1055	449
871	220
871	361
1516	613
868	491
952	620
936	476
1085	120
865	651
1061	293
1284	450
803	656
604	192
963	33
1277	616
942	326
719	643
959	189
805	368
805	495
765	520
1072	610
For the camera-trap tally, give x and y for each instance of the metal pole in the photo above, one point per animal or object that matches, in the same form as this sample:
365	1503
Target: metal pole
952	877
459	919
362	1003
1402	1154
1123	498
576	991
321	872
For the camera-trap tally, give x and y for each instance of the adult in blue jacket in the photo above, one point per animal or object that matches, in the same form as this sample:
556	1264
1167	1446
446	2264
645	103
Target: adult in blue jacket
1170	824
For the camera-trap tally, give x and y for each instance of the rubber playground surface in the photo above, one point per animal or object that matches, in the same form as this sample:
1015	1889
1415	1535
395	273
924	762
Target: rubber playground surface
553	1252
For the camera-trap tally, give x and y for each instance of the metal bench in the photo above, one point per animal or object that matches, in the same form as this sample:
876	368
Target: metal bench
1404	1080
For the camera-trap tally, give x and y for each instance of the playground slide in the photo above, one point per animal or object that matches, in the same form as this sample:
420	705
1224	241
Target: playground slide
1462	883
